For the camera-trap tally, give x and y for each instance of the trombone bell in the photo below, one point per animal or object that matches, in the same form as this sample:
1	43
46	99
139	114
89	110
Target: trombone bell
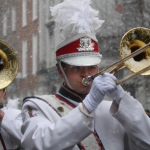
131	41
135	54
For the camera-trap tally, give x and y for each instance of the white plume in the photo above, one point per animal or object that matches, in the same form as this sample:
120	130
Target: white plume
76	16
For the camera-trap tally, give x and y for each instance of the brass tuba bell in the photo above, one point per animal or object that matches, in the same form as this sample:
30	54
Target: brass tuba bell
8	64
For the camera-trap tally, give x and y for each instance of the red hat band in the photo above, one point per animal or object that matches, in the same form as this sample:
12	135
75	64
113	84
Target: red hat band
82	46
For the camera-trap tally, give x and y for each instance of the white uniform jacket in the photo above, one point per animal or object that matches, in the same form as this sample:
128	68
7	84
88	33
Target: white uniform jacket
118	129
11	128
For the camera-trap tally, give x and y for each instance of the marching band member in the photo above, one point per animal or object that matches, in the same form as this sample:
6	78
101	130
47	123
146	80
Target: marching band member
10	135
77	117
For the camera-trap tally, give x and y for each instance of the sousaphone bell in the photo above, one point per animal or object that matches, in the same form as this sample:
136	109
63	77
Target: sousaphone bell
8	64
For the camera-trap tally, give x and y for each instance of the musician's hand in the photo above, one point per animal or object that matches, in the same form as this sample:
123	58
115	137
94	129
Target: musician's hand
1	115
101	85
116	94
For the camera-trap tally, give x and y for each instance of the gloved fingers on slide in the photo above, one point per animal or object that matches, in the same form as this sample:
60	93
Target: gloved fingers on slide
109	75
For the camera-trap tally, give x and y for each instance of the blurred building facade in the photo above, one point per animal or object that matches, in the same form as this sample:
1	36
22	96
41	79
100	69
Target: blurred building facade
25	26
28	27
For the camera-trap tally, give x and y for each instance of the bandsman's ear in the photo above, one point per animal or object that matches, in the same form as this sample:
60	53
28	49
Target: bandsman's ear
4	95
59	71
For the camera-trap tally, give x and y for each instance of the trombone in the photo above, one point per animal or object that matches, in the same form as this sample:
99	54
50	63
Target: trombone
133	46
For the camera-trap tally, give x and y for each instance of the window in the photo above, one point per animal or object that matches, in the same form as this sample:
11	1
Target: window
34	9
5	24
24	13
34	54
13	19
24	58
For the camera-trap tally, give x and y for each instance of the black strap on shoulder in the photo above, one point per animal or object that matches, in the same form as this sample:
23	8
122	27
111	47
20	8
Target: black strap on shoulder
1	106
2	141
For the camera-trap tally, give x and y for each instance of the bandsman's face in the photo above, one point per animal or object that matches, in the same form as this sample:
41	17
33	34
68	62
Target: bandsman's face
75	74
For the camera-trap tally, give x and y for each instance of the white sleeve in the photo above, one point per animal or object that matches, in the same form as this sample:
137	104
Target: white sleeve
11	123
41	133
133	118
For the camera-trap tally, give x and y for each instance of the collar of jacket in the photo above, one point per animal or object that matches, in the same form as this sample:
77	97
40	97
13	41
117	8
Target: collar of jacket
71	94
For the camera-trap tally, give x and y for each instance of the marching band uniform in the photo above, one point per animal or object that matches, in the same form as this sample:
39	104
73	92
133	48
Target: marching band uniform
10	128
54	132
60	121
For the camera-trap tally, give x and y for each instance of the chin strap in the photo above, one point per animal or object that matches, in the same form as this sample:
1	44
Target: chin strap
66	79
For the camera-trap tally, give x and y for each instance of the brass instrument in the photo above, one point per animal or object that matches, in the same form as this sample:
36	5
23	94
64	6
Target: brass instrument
8	72
135	54
8	64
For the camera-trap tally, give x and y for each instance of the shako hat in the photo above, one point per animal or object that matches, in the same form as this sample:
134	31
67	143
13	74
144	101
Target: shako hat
78	22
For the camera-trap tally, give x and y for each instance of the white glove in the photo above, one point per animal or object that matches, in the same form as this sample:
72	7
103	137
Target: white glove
103	84
117	93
